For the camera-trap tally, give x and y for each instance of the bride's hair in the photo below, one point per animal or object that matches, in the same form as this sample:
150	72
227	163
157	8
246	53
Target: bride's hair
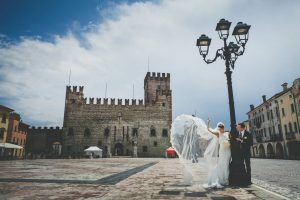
220	125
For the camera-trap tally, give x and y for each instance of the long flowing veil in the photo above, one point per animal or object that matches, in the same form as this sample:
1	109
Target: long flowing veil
196	147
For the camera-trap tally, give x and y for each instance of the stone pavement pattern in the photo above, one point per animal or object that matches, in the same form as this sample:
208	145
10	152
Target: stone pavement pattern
81	179
280	176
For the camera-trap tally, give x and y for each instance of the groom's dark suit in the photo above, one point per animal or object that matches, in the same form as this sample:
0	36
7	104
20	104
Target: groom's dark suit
247	142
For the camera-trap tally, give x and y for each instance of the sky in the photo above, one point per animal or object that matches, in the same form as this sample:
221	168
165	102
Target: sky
109	42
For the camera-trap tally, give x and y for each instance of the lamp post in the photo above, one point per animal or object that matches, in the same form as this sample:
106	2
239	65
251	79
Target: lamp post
229	52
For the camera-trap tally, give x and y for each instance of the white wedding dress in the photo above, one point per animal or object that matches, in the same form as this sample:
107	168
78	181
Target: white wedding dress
197	148
220	173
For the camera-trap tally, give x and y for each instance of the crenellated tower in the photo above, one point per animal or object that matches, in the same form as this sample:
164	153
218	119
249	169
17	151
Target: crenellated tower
157	90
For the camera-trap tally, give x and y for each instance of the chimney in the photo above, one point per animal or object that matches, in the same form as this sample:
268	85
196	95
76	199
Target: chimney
251	107
264	97
284	86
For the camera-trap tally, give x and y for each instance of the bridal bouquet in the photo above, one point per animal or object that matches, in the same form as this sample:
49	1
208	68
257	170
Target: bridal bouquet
226	144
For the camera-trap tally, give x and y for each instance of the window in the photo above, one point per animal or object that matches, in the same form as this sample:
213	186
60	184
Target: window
134	132
106	132
272	115
4	118
277	113
263	118
155	143
153	132
70	132
115	133
87	132
268	115
283	113
290	127
163	104
270	131
295	127
2	130
145	149
292	108
165	133
123	133
69	148
99	143
285	128
279	129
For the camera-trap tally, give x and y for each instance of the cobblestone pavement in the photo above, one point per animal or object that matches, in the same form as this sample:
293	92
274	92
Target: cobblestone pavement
114	178
280	176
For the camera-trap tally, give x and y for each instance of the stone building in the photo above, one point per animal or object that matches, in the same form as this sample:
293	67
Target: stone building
4	120
131	127
44	142
16	134
275	124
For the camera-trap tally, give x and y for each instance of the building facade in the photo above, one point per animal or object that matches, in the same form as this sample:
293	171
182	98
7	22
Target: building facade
44	142
275	124
16	134
4	121
131	128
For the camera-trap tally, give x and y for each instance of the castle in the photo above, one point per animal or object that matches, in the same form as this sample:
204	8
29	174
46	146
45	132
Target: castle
137	128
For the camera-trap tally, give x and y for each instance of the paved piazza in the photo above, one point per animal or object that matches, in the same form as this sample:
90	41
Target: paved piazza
134	178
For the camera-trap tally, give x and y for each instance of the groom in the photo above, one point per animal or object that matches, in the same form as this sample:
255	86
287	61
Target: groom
245	140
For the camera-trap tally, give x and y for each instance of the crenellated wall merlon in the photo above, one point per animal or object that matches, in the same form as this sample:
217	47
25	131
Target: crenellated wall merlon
113	101
45	128
74	89
157	75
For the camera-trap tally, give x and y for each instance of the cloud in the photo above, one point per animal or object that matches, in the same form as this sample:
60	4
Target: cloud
34	72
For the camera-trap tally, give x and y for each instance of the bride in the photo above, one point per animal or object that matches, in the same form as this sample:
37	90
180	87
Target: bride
220	173
196	143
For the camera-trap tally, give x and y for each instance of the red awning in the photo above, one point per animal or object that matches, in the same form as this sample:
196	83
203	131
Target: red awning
170	149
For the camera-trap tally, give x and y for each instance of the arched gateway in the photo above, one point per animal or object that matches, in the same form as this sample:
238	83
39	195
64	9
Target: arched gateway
119	149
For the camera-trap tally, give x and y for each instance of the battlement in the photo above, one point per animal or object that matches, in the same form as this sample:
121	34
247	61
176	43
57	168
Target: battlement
75	89
113	101
45	128
157	75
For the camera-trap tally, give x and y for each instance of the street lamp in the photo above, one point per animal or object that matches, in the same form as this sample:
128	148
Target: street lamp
229	52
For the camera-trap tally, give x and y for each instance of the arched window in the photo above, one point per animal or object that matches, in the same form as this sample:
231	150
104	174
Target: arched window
4	118
152	132
134	132
106	132
290	127
87	132
164	133
2	130
70	131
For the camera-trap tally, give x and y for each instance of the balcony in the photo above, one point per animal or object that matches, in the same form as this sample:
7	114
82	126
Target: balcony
290	136
259	139
276	138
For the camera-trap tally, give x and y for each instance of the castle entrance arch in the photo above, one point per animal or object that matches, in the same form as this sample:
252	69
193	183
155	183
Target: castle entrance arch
119	149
